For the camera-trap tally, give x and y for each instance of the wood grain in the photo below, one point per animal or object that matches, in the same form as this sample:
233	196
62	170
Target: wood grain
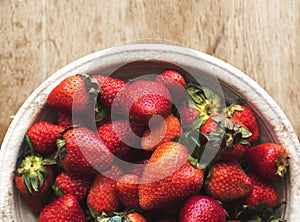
260	37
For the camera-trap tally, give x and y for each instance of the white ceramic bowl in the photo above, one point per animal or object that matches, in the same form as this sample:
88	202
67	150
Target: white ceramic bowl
122	60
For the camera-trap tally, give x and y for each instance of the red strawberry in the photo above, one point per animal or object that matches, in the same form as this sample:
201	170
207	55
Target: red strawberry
261	192
34	179
127	189
246	117
102	195
81	152
109	89
166	130
136	217
65	208
228	134
64	119
144	99
202	208
119	136
268	160
174	82
74	94
227	181
188	114
66	183
168	177
43	136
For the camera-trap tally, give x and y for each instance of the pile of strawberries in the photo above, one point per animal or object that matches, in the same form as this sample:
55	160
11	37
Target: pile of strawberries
154	149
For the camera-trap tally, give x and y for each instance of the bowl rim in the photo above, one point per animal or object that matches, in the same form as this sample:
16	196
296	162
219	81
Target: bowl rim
240	82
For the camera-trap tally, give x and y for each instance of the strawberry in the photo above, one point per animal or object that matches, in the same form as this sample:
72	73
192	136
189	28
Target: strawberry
246	117
81	152
227	134
103	196
168	177
75	94
227	181
188	114
136	217
33	180
268	160
127	190
109	89
166	131
43	136
174	82
261	192
144	99
66	183
202	208
65	208
261	204
64	119
119	135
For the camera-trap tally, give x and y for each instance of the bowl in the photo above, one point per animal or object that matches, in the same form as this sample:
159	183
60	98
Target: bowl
131	61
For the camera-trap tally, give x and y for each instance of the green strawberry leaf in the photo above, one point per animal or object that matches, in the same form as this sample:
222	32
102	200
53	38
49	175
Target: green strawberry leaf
57	190
232	108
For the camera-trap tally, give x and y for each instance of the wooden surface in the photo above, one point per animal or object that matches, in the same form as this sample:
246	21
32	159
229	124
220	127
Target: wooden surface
260	37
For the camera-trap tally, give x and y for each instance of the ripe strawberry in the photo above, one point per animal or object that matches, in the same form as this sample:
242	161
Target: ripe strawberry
268	160
119	135
102	195
65	208
261	192
166	131
168	177
174	82
144	99
66	183
136	217
188	114
127	189
74	94
81	152
202	208
34	179
43	136
227	134
227	181
109	89
246	117
64	119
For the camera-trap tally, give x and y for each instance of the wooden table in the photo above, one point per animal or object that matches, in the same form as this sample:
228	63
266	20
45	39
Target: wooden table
260	37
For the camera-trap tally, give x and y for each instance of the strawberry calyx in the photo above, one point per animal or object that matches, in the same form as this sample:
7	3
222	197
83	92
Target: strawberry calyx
91	84
232	108
282	164
259	213
33	168
204	100
233	133
57	190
